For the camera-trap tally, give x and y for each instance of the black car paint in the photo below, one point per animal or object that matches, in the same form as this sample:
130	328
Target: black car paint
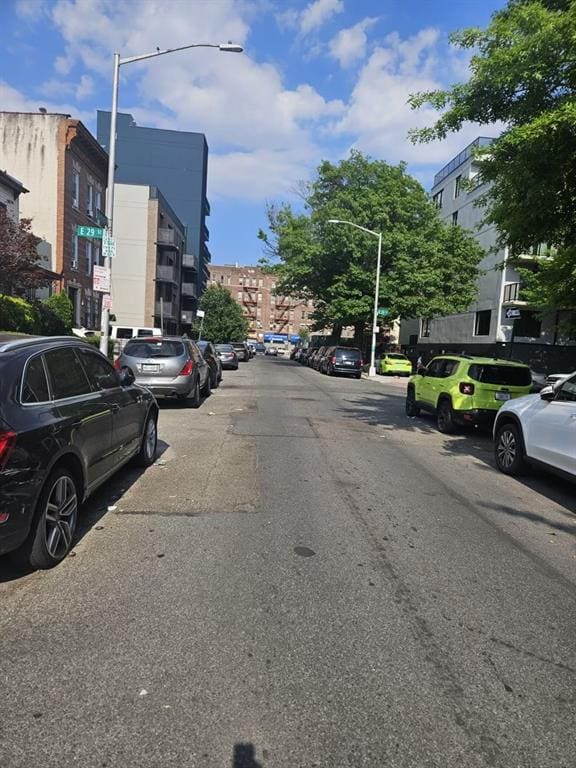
95	433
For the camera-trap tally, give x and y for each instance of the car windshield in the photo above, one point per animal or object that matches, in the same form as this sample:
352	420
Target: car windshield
154	349
506	375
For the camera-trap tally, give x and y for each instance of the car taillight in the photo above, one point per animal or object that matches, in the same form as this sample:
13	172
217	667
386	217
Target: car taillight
466	388
361	362
187	370
117	364
7	441
333	360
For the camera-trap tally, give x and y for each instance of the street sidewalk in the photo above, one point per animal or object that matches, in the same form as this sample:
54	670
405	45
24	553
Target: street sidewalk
398	381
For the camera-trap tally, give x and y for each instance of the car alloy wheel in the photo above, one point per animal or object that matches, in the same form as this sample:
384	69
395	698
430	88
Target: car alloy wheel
509	451
149	443
59	517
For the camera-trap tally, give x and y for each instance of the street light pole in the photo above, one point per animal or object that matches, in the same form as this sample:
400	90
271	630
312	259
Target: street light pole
118	62
372	369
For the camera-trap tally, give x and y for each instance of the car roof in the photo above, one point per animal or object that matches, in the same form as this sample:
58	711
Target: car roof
482	360
156	339
17	341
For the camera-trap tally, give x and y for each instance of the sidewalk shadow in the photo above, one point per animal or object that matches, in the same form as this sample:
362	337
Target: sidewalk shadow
244	756
91	512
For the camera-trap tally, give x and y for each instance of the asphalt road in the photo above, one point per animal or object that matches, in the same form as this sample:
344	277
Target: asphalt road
305	578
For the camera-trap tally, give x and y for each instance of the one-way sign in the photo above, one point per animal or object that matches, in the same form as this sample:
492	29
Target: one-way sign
512	313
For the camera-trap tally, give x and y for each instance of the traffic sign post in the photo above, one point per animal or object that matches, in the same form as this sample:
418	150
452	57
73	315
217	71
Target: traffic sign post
108	247
95	232
101	279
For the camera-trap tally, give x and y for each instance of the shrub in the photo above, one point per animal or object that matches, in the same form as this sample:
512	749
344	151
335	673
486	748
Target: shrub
95	342
18	315
58	313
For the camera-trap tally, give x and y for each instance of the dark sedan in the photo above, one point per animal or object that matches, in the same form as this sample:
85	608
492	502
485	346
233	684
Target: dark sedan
211	356
68	421
228	356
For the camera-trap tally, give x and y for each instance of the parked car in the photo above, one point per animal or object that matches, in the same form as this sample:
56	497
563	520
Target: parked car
169	366
303	360
394	363
241	349
68	421
539	430
318	357
228	356
461	389
210	355
260	348
270	350
343	360
313	354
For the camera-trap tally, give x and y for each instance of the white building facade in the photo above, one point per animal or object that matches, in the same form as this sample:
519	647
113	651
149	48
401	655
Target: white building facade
497	323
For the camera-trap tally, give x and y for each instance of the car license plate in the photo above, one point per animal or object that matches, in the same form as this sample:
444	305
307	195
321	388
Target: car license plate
348	362
502	395
150	368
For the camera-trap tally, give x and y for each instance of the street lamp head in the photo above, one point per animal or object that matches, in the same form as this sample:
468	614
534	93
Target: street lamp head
230	47
334	221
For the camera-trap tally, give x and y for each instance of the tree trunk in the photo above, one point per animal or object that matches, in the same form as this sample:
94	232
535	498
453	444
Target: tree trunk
359	329
336	333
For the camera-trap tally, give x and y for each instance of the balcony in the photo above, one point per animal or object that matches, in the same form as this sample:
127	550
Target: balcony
206	207
166	273
187	316
100	218
189	289
166	238
205	233
511	296
169	309
190	261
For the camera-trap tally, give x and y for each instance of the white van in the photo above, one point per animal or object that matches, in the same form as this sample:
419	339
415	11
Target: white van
121	334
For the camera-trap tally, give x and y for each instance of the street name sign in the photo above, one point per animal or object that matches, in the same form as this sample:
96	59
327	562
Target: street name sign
82	231
512	313
383	312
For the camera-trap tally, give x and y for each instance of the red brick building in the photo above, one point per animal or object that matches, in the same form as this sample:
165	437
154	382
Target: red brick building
255	291
65	170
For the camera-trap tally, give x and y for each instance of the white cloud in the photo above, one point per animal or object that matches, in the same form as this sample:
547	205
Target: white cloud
13	100
349	44
31	10
378	116
85	87
317	13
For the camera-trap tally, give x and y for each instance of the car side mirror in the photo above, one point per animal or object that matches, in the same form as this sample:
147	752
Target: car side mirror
421	371
126	377
548	393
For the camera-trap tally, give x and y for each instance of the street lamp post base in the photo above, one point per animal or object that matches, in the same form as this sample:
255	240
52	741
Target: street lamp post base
372	371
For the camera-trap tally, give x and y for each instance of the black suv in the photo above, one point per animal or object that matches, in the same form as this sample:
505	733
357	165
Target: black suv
68	421
347	360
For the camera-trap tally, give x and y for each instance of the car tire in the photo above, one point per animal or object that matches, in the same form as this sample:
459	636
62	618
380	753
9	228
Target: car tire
207	389
195	399
412	409
147	454
358	376
509	452
51	535
445	417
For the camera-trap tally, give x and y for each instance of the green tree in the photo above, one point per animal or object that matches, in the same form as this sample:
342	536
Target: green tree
428	267
304	335
523	75
223	320
18	257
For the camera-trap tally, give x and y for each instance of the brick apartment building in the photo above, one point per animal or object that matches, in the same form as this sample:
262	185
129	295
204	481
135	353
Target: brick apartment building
65	169
255	291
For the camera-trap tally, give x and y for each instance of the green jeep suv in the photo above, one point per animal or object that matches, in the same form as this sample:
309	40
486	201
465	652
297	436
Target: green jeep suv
464	390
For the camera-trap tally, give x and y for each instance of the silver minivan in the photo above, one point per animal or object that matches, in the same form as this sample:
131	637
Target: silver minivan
169	366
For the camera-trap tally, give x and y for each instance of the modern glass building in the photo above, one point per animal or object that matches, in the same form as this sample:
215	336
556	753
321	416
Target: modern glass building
176	162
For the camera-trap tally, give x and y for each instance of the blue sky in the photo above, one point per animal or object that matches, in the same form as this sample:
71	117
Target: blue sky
317	78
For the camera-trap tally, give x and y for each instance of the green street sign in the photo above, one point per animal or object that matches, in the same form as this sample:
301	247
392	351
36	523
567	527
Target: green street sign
383	312
89	231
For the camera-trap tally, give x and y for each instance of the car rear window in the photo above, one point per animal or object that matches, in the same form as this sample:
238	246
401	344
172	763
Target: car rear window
224	348
508	375
393	356
154	349
348	354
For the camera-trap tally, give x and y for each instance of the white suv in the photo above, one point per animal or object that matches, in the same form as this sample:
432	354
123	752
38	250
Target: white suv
538	429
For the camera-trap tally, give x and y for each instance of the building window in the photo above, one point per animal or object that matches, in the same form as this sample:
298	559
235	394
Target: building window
260	283
89	249
221	278
90	200
76	189
455	218
528	325
482	322
239	295
437	199
97	254
99	201
458	186
425	327
74	261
